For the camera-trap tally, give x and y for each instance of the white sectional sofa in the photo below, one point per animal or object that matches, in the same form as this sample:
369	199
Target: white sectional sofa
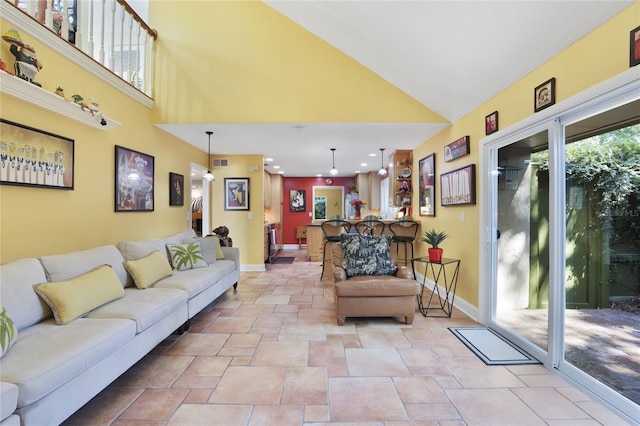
52	370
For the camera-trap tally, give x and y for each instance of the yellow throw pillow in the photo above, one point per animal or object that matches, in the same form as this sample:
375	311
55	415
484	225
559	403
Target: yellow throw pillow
75	297
219	253
149	269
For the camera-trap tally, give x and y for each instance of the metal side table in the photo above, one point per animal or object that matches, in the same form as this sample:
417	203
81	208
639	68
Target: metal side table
437	272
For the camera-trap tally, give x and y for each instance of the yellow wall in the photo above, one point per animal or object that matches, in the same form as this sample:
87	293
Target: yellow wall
600	55
35	222
241	61
246	232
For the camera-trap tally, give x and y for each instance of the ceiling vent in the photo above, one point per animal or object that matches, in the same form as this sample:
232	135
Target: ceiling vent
220	163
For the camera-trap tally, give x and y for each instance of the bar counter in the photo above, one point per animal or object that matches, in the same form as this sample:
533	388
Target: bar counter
315	237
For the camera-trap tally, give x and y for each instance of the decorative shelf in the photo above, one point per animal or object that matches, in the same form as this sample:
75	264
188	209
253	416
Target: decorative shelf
30	93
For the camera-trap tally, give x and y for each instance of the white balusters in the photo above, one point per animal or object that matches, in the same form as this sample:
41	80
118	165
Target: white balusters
127	52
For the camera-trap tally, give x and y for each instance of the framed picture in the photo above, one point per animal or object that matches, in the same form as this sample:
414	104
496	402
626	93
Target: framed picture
491	123
297	200
320	208
176	189
236	193
134	181
457	149
459	186
32	157
544	95
634	47
427	167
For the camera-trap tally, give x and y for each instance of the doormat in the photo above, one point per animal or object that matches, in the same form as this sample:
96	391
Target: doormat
283	260
492	348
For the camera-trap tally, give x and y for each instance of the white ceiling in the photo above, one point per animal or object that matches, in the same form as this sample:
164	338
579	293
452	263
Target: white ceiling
451	56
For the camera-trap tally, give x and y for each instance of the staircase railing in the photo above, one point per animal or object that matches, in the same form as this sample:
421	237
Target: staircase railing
109	31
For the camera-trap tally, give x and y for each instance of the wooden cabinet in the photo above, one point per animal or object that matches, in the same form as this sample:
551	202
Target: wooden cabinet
267	190
315	240
400	176
374	190
368	188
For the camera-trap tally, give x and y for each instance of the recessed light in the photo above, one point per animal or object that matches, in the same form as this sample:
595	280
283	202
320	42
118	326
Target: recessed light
268	159
276	167
363	165
373	154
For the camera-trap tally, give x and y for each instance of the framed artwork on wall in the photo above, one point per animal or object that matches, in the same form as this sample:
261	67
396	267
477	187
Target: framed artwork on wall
176	189
491	123
634	47
134	186
297	200
32	157
458	186
236	193
320	208
427	167
457	149
544	95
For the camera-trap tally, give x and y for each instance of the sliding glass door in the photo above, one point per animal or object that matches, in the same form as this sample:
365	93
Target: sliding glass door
561	225
522	223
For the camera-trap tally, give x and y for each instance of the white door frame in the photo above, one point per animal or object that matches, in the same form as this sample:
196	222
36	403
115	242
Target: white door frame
199	170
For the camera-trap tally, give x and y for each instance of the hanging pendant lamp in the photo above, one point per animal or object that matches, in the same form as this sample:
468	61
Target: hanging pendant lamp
382	171
333	170
209	176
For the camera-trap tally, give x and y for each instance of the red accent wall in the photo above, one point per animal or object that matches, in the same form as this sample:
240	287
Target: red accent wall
292	219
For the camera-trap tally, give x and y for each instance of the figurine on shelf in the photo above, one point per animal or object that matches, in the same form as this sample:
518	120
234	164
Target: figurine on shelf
94	107
27	65
60	92
404	186
77	99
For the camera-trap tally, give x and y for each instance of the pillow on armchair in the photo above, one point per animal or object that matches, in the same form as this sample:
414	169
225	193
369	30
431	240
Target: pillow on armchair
366	255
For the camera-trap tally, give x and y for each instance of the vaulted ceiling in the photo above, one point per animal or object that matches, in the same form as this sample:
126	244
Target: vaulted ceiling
451	56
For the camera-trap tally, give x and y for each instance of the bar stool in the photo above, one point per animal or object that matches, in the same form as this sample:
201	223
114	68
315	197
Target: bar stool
370	225
332	230
404	232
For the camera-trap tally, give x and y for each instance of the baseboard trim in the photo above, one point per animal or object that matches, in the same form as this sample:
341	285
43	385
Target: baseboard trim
253	268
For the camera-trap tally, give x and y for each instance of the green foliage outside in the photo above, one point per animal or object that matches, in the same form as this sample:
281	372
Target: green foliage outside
608	165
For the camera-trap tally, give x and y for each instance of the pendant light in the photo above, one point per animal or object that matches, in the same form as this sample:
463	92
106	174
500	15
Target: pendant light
209	176
382	171
333	170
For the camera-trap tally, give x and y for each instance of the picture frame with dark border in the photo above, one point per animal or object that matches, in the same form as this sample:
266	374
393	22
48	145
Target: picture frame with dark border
236	194
458	187
427	176
491	123
297	200
35	158
634	47
457	149
544	95
176	189
134	184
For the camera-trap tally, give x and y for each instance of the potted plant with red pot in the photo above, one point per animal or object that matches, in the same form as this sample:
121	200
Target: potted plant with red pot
435	238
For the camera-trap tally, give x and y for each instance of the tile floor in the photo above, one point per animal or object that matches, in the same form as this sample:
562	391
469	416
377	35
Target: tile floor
271	353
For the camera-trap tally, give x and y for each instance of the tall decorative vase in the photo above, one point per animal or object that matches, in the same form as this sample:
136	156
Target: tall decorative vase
357	213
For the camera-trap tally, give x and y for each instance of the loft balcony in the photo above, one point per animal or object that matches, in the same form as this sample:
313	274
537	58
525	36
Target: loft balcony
106	37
